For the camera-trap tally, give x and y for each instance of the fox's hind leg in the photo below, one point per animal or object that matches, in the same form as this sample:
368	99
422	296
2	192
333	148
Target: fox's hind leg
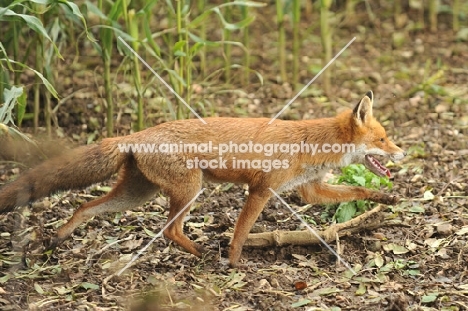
132	190
180	196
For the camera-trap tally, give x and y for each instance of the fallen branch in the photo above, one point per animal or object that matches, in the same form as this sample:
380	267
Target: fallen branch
369	220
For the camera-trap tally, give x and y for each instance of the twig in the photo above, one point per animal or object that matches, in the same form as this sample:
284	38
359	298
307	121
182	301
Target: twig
305	237
107	246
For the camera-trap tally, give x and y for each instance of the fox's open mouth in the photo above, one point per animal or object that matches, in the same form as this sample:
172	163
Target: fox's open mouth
375	167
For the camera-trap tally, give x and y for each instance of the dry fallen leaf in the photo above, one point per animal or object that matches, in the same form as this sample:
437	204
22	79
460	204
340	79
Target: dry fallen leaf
300	285
379	235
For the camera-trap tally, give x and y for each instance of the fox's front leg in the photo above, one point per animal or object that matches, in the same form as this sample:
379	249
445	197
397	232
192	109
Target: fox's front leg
322	193
247	217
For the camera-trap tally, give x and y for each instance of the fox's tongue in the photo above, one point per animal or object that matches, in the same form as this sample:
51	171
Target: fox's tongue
376	167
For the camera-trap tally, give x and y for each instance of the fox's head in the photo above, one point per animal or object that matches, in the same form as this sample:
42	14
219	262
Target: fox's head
370	139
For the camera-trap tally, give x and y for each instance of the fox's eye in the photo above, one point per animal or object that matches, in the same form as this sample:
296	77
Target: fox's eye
382	140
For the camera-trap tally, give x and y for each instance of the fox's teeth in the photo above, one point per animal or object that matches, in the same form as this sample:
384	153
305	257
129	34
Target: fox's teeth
376	167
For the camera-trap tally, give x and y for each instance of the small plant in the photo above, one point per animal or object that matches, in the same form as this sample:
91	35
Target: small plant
430	85
34	27
14	97
417	151
356	175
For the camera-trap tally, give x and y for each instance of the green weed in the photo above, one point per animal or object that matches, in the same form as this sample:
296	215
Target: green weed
355	175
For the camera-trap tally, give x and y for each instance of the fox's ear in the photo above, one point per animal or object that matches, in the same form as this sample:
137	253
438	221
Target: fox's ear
363	110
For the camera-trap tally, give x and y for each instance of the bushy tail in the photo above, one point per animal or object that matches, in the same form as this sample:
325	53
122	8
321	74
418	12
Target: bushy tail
75	169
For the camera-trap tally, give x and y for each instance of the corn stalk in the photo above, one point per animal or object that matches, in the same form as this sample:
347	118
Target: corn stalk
281	39
433	6
227	47
296	18
456	15
326	37
245	42
132	27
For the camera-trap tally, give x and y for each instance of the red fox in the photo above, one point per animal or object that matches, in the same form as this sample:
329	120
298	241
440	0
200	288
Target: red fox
175	157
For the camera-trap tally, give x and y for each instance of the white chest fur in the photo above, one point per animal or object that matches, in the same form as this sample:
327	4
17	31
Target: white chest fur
310	174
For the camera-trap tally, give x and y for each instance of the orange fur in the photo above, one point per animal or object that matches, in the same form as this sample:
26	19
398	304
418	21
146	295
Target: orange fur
141	174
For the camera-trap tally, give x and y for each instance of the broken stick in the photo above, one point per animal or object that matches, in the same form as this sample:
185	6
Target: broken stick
369	220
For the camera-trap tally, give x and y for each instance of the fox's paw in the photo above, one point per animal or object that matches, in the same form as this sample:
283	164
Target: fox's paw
210	256
385	198
52	244
201	250
390	199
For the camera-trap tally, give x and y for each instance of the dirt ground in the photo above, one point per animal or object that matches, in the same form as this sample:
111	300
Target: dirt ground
416	261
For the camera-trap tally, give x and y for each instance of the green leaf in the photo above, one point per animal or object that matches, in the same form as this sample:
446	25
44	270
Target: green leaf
229	26
251	4
233	26
17	134
327	291
361	289
10	96
170	6
116	10
21	107
300	303
43	2
462	34
230	185
196	48
197	39
87	285
199	20
387	268
62	290
378	259
363	279
417	209
149	232
395	248
95	10
428	196
76	11
46	82
345	212
375	181
235	280
179	48
147	9
361	181
414	272
38	289
33	22
429	298
149	38
2	49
